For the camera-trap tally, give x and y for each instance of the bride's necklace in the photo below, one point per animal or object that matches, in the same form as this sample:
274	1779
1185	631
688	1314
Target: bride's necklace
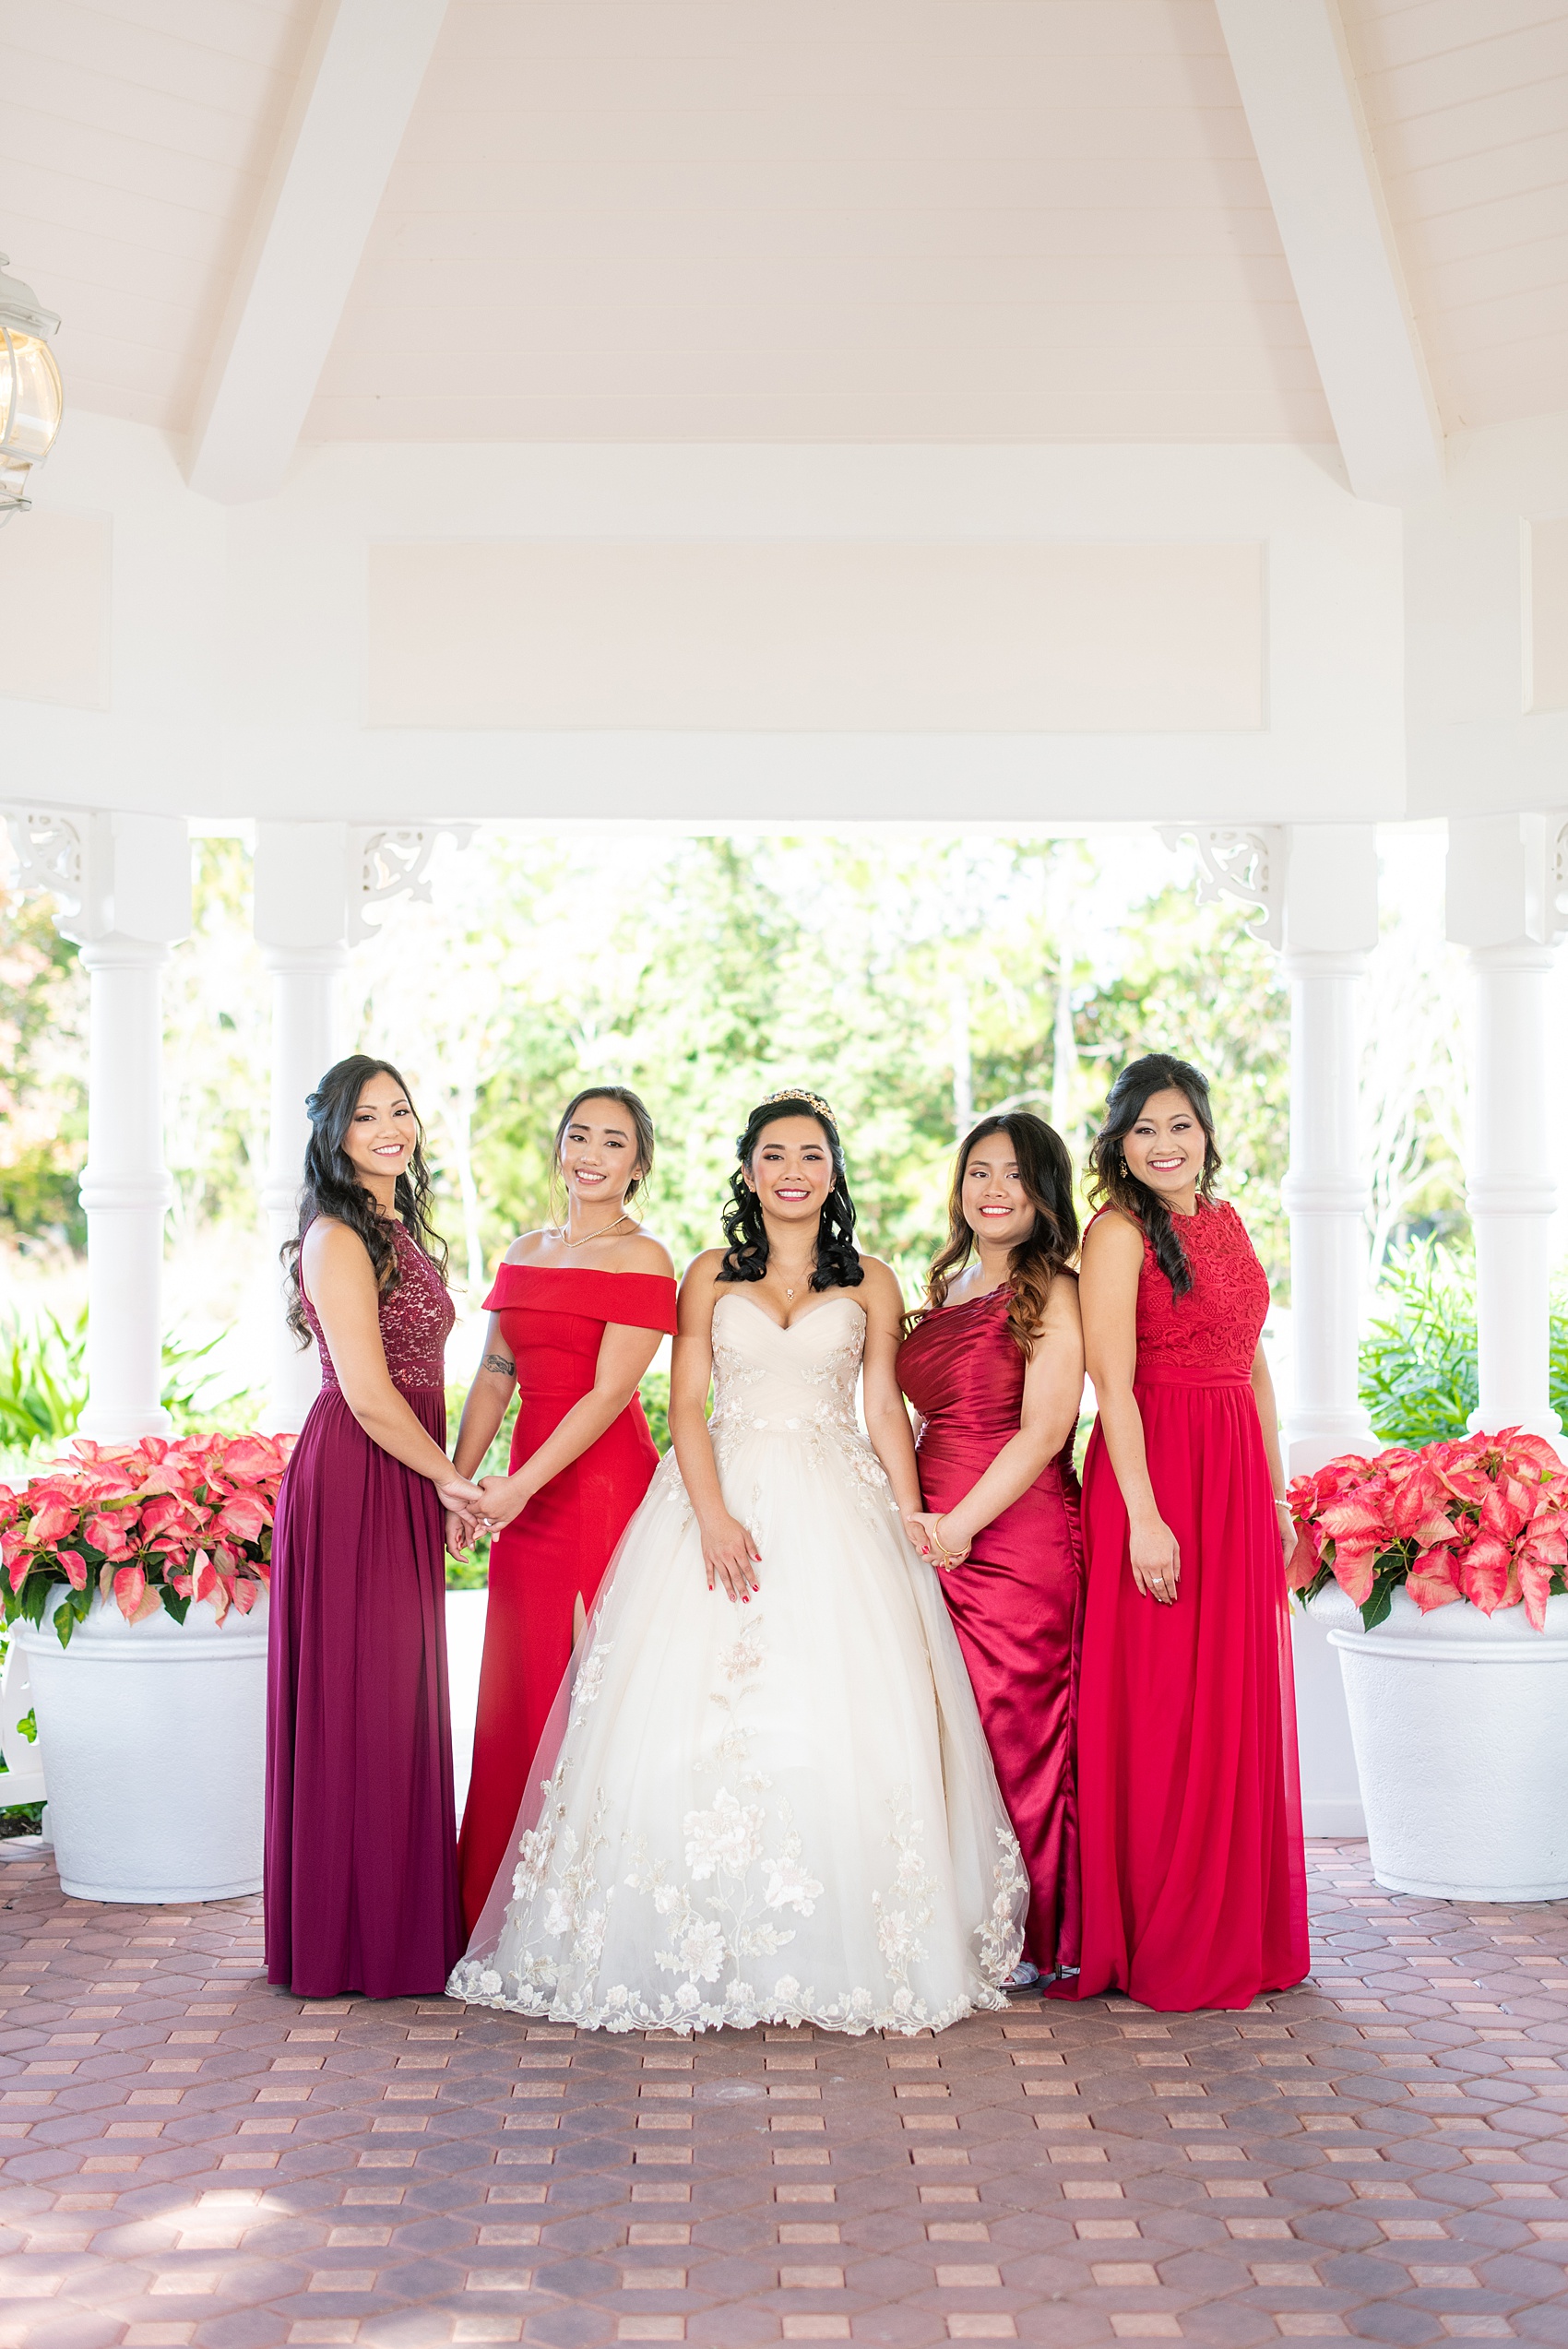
603	1233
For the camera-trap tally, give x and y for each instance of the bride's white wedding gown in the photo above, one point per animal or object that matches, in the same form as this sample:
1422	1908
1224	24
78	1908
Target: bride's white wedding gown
779	1811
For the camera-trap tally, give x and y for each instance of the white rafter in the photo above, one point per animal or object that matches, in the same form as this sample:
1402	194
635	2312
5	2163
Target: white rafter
357	88
1298	89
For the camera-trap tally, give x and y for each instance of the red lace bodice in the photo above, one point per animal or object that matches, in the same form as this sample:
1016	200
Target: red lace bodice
1213	1331
415	1318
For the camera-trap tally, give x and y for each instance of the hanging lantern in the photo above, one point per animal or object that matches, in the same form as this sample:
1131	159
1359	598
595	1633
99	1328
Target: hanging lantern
31	395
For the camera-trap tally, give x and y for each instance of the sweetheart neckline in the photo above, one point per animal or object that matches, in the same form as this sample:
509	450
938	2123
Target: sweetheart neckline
785	1328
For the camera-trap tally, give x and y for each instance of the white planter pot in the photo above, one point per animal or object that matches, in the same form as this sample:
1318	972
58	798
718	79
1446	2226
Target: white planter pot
1460	1723
153	1735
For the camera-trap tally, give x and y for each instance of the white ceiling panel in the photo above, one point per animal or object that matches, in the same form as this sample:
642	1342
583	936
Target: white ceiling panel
134	135
1466	101
825	220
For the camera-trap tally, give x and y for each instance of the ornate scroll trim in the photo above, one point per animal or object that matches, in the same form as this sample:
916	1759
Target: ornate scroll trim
387	864
1245	862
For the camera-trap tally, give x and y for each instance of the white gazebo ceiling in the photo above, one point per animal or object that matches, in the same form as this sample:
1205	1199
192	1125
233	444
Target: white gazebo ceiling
792	219
1466	103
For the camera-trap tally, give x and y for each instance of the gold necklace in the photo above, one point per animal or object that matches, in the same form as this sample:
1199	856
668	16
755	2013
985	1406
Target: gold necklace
561	1235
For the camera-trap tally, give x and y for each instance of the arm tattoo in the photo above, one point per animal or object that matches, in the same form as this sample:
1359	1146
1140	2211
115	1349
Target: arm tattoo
499	1362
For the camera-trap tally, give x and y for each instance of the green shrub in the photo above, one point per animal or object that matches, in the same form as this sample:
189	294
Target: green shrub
1417	1361
43	1386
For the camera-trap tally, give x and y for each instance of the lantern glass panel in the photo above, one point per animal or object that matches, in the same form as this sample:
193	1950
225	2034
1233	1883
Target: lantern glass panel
31	398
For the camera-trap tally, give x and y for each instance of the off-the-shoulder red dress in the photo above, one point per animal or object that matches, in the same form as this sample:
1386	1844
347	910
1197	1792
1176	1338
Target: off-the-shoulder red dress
557	1549
1189	1797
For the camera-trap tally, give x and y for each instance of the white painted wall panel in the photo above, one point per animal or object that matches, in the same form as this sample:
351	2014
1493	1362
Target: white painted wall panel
900	639
57	608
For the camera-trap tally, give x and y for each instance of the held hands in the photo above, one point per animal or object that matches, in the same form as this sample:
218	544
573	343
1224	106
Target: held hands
1155	1561
466	1514
924	1527
730	1558
503	1498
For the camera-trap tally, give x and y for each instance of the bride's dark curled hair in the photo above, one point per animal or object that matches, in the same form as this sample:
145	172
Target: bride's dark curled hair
1112	1183
745	1235
332	1186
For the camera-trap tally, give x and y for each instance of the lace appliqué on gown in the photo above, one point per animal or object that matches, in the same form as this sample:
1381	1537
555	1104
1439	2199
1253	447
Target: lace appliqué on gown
683	1912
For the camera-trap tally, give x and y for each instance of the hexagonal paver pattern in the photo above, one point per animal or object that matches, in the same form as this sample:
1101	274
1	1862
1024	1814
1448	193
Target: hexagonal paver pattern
192	2160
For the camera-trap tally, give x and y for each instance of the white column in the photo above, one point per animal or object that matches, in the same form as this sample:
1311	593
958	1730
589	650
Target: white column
1503	878
301	924
125	1190
124	886
1330	928
314	883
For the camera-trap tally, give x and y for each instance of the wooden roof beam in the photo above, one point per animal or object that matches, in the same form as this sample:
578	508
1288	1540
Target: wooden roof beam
1298	90
356	90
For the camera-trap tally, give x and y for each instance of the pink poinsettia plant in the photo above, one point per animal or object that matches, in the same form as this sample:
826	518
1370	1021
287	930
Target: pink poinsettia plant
1484	1518
152	1525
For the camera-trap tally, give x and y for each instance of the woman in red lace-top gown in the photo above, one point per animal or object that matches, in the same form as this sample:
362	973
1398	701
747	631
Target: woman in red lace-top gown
360	1873
576	1317
994	1367
1190	1814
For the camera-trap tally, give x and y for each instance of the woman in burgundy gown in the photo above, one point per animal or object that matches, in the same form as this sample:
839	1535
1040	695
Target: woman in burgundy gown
1190	1814
994	1367
576	1316
361	1876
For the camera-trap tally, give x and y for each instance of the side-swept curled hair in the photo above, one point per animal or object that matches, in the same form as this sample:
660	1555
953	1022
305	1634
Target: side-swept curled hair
1112	1183
1045	1171
332	1186
642	1126
745	1235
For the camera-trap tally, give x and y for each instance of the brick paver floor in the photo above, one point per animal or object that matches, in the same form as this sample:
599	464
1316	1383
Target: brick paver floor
191	2157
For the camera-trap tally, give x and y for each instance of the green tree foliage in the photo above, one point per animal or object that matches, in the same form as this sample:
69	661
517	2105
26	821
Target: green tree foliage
42	1078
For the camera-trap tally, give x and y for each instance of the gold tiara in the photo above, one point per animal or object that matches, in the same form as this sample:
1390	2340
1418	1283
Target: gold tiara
800	1093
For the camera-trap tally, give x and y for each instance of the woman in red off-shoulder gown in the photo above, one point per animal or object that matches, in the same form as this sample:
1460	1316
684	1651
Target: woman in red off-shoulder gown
573	1338
1190	1816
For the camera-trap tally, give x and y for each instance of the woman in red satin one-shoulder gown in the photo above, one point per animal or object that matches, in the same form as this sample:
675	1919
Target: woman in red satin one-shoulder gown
1190	1814
576	1317
995	1460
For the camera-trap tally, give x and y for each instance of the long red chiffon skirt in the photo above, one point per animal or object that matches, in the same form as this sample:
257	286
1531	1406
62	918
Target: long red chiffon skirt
1189	1797
362	1878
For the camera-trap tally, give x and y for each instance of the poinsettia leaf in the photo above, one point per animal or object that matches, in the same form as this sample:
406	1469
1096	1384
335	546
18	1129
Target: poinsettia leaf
1354	1572
1375	1609
130	1583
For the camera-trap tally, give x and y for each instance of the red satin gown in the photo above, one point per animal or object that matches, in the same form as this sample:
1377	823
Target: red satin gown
1017	1600
557	1549
1190	1807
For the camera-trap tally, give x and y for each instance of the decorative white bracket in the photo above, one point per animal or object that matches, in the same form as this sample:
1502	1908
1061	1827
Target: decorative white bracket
1554	865
393	864
50	848
1247	863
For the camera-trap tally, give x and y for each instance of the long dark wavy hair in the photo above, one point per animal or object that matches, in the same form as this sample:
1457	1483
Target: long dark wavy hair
1112	1183
745	1235
332	1186
1045	1170
642	1126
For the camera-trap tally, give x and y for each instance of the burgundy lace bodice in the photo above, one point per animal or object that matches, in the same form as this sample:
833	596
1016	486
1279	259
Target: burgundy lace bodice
1213	1331
415	1318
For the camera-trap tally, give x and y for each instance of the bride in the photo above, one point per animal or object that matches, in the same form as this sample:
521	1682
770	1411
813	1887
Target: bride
769	1799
